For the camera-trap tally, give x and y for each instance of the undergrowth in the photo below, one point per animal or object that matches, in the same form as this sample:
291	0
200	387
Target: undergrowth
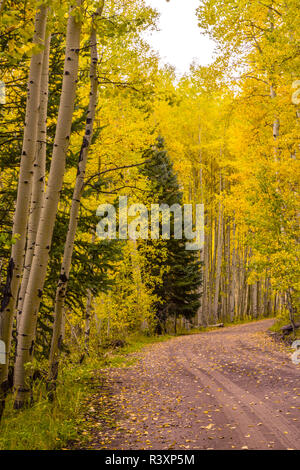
52	426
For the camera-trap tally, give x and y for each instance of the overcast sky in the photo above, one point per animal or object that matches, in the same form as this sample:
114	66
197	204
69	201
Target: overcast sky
179	40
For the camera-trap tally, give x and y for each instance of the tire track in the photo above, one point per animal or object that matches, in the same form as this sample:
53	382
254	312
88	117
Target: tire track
247	404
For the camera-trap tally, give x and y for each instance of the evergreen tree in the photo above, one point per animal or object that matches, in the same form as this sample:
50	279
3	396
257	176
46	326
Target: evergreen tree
170	270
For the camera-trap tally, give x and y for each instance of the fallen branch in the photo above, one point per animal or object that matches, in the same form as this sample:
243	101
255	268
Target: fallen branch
287	328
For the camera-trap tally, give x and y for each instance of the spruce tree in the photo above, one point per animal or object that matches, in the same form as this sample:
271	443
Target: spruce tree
170	270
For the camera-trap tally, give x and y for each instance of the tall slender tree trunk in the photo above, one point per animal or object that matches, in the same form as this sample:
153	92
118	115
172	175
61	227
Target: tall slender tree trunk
219	252
27	330
254	300
228	268
202	293
205	300
242	279
210	269
87	323
15	266
201	311
38	186
73	221
233	304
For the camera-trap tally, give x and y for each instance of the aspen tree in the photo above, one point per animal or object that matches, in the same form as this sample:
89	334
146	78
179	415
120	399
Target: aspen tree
15	266
73	221
87	323
27	328
254	289
233	287
37	196
218	256
202	293
205	300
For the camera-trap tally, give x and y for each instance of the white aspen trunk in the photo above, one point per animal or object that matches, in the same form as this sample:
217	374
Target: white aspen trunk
248	306
266	298
254	300
271	299
246	301
215	242
108	325
27	330
241	281
210	270
218	263
226	260
38	185
98	322
72	331
259	297
75	206
233	305
228	269
205	300
87	326
15	267
201	311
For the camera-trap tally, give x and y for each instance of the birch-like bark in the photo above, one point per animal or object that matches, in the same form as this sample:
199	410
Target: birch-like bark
201	314
38	185
246	302
233	304
254	300
87	322
75	206
205	299
27	329
201	310
15	266
210	269
219	252
228	267
241	297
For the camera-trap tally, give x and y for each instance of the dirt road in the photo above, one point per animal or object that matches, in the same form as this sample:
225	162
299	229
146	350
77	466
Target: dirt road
228	389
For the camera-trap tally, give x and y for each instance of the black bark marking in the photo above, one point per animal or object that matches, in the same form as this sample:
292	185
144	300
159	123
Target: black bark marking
7	287
60	343
31	348
63	278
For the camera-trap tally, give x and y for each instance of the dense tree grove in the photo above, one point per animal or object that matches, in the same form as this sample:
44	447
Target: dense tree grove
90	116
170	270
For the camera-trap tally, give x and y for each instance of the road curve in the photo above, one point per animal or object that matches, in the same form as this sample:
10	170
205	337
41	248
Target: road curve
228	389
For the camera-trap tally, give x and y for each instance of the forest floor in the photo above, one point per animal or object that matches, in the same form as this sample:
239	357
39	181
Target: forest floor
233	388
